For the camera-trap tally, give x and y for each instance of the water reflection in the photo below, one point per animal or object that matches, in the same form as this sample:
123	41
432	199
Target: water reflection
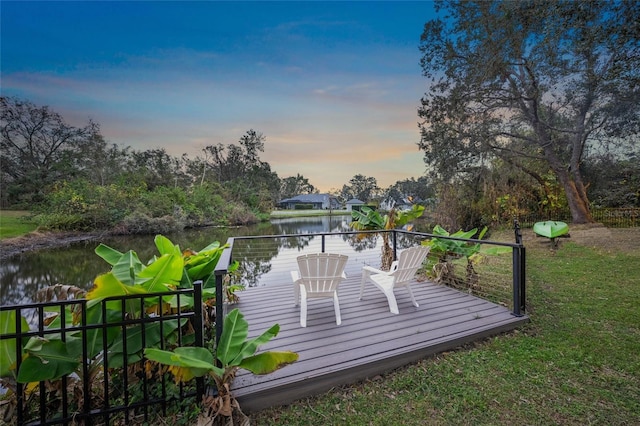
22	276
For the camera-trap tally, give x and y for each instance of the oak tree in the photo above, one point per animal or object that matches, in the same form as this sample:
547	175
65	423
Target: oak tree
37	148
531	82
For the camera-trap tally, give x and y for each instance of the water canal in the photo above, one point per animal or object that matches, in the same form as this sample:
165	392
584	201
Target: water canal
22	276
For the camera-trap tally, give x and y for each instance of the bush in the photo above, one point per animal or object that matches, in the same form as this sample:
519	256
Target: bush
140	223
81	205
238	214
60	222
303	207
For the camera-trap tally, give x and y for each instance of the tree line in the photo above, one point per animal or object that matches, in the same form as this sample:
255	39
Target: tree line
531	108
72	178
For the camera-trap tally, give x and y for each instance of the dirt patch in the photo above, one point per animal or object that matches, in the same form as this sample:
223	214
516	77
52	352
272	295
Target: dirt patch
33	241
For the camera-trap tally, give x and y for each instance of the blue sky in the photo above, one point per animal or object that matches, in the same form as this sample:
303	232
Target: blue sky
334	86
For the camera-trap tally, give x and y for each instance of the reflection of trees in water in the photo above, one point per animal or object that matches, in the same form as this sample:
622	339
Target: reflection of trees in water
21	277
255	255
360	242
368	241
313	224
35	271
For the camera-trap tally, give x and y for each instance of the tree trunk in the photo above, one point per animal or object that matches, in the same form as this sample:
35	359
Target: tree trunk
576	199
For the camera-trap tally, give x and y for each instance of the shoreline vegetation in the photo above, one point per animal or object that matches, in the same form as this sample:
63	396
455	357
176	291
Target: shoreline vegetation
19	236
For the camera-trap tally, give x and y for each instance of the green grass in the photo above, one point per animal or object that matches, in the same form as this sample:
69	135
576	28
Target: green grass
14	223
576	363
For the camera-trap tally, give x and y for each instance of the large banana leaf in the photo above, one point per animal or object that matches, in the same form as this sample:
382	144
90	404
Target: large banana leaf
404	217
152	338
163	274
128	267
46	360
268	362
107	285
94	335
367	219
250	347
235	330
165	246
8	348
110	255
190	361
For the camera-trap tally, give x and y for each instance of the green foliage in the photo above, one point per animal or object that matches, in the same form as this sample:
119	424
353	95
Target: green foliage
301	206
368	219
8	346
54	356
82	205
234	351
445	249
479	109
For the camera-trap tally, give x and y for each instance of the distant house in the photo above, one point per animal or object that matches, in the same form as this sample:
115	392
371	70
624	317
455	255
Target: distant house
314	201
354	202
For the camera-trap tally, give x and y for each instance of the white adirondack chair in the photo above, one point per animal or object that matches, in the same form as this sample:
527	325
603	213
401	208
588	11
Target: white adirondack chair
401	274
318	276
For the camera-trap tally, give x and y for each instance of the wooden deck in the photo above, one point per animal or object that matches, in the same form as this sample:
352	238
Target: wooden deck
370	341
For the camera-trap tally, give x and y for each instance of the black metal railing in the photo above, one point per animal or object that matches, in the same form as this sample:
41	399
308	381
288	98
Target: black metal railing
111	383
268	259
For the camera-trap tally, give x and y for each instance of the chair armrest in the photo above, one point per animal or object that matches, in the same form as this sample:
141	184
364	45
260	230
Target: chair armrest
373	270
295	276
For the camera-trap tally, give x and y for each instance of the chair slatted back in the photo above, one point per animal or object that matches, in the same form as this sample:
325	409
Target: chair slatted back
321	272
409	262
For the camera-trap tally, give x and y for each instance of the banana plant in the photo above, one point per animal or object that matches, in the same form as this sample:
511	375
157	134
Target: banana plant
369	219
233	352
172	269
53	356
447	250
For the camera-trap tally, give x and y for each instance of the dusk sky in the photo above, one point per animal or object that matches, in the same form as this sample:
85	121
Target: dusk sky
333	86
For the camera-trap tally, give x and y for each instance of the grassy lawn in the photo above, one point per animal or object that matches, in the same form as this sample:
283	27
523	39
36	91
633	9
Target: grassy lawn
14	224
576	363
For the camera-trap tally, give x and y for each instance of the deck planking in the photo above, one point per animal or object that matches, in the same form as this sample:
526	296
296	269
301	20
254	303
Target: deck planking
370	341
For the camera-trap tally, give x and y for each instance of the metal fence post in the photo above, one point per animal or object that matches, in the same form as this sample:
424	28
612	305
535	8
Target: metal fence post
199	331
519	258
219	305
523	281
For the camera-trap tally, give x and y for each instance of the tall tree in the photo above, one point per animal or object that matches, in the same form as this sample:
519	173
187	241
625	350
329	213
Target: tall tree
542	79
361	187
37	148
235	161
295	185
411	190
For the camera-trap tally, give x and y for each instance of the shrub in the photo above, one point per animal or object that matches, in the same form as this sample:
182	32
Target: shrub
140	223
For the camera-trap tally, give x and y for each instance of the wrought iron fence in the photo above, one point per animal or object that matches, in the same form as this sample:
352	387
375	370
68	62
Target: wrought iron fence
99	346
610	217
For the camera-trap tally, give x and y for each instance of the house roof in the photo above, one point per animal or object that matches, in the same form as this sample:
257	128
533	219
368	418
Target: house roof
308	198
354	201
